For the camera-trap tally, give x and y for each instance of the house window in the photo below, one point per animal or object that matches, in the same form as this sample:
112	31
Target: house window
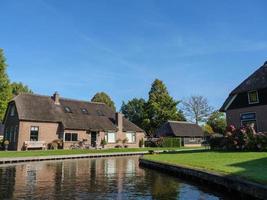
34	133
253	97
130	137
110	137
84	111
67	109
249	119
192	139
12	110
71	137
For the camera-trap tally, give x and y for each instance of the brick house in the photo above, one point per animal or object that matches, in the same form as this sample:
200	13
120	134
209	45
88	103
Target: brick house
34	118
189	133
247	103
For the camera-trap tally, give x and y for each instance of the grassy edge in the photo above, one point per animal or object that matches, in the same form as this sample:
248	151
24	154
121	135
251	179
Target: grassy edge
18	154
210	170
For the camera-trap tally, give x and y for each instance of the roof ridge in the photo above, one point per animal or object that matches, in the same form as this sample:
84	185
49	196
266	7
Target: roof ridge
61	98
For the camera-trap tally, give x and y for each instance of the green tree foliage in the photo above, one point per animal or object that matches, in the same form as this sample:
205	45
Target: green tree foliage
207	129
134	110
5	89
104	98
160	107
18	88
217	121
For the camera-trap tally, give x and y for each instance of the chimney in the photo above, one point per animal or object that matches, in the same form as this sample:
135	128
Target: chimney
55	97
119	121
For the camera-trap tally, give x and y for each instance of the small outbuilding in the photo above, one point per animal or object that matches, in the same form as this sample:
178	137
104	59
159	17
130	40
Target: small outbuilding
190	134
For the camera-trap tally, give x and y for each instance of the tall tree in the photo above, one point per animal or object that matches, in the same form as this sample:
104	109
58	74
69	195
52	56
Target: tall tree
5	90
104	98
18	88
134	110
197	109
160	107
218	122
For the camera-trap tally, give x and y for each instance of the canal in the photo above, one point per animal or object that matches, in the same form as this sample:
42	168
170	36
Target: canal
101	178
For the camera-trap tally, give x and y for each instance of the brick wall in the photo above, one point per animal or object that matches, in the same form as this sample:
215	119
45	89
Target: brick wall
47	132
233	116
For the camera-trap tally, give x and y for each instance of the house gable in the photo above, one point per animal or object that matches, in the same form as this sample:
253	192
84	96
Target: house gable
241	100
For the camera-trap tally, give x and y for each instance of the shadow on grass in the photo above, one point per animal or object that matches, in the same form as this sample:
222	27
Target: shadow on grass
253	170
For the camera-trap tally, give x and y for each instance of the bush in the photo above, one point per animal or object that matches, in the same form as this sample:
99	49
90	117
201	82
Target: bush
163	142
244	138
171	142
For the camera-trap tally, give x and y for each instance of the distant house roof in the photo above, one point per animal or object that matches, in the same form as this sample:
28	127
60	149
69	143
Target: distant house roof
1	129
72	114
179	129
256	81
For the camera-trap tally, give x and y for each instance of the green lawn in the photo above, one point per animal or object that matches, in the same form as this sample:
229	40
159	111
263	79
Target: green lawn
249	165
13	154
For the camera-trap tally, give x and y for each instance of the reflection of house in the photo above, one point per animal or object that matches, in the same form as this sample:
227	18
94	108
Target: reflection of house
1	131
190	134
247	104
39	118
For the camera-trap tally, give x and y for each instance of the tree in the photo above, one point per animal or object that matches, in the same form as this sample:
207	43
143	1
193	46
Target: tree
218	122
160	107
104	98
207	129
134	110
5	90
196	108
18	88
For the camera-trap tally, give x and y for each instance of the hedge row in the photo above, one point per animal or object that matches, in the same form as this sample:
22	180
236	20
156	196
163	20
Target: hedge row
164	142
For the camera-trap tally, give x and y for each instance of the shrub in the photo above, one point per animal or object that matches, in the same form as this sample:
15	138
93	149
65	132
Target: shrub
141	142
163	142
171	142
244	138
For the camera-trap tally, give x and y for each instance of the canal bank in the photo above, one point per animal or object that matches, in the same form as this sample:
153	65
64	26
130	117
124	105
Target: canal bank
64	157
228	183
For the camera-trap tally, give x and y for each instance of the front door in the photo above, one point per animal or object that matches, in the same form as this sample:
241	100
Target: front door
93	139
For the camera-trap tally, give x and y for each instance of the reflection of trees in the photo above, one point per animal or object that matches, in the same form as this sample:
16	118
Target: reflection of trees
7	182
162	187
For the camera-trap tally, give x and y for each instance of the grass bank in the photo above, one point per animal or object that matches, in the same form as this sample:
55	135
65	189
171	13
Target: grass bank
13	154
248	165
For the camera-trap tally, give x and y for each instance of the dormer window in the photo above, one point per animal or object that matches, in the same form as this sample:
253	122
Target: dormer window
67	109
253	97
84	111
100	113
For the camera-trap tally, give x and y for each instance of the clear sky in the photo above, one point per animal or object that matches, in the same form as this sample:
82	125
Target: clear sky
80	47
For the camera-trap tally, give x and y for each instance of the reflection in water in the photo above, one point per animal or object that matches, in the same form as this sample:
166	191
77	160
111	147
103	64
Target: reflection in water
103	178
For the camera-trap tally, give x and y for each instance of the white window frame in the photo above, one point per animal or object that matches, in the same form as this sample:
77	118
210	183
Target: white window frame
133	137
107	138
249	97
192	139
246	120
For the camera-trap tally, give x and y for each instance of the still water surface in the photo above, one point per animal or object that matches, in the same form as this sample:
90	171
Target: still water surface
102	178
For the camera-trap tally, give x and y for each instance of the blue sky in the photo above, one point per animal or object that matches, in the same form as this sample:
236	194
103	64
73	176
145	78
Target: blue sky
117	46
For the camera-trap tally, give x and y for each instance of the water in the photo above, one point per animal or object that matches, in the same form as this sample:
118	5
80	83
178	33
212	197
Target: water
102	178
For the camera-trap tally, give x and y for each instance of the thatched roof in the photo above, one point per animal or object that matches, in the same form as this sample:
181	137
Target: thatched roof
256	81
96	116
179	129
